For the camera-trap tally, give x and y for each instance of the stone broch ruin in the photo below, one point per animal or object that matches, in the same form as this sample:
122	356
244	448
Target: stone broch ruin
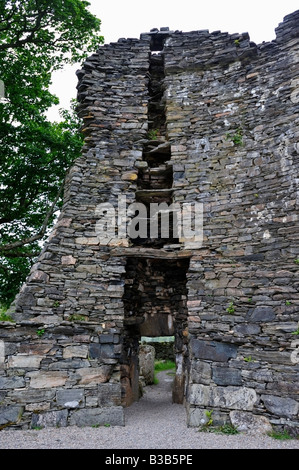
173	117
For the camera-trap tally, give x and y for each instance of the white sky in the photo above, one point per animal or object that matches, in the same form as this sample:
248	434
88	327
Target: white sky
130	18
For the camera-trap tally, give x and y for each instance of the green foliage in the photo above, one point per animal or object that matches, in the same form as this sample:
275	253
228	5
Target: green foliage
280	435
4	316
236	138
223	429
248	359
295	332
77	318
106	425
40	332
231	308
209	416
153	134
36	38
227	429
162	365
296	261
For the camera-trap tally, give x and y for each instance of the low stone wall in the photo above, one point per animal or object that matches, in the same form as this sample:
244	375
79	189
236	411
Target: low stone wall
163	351
51	376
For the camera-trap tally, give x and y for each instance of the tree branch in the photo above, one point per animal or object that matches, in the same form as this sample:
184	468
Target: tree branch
29	39
12	246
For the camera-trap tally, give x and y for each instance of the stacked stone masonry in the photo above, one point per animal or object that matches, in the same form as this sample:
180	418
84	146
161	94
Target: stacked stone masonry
179	118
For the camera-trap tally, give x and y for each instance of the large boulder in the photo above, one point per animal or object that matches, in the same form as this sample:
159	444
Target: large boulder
147	363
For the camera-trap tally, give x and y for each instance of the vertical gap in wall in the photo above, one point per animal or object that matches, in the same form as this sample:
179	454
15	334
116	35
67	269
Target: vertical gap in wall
155	177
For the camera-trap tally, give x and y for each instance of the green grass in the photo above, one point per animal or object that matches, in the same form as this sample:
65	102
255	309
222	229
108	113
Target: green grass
162	365
224	429
282	436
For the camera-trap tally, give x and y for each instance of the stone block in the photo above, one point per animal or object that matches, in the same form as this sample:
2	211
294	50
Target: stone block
196	417
201	372
249	422
75	351
113	415
261	314
26	396
22	361
239	398
109	394
101	351
147	363
51	419
247	329
286	407
11	382
69	398
226	376
93	375
38	276
45	379
212	350
68	260
10	415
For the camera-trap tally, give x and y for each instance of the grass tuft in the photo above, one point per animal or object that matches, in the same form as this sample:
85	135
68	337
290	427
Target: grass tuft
162	365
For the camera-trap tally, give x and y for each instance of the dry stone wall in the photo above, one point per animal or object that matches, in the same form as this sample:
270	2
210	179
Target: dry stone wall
179	118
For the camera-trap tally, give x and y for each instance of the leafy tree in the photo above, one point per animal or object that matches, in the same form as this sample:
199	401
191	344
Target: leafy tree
36	38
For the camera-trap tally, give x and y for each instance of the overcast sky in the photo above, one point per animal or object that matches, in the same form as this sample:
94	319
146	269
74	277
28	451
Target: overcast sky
130	18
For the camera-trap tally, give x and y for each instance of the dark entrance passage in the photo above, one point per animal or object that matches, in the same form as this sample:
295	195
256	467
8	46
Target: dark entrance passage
155	304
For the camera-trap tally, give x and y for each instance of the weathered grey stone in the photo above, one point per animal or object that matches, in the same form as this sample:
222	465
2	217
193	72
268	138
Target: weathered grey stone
68	260
75	351
26	396
39	276
262	314
147	363
44	379
247	329
101	351
226	376
201	372
10	415
197	417
69	398
280	406
251	423
93	375
109	394
11	382
23	361
213	350
113	415
50	419
240	398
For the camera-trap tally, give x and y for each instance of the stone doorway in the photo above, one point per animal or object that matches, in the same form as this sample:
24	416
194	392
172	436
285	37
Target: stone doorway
155	304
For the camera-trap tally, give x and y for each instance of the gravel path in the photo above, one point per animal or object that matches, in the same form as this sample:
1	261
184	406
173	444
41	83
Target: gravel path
151	423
